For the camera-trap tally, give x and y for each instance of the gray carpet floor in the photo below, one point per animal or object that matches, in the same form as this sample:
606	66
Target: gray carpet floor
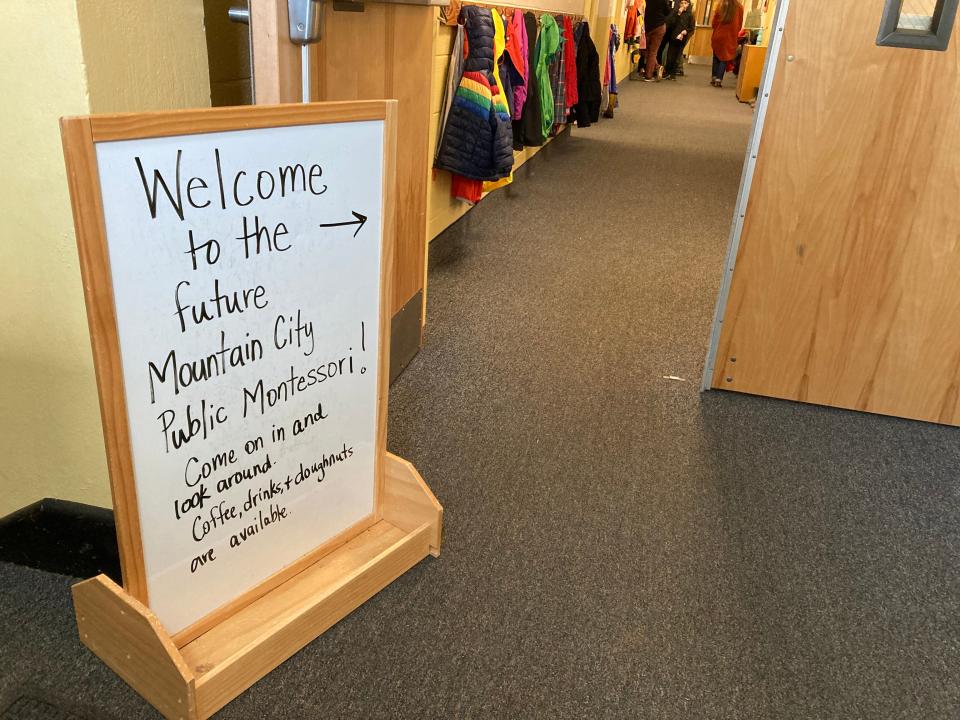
617	545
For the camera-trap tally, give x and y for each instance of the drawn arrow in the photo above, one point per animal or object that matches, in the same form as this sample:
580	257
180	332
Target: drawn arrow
360	220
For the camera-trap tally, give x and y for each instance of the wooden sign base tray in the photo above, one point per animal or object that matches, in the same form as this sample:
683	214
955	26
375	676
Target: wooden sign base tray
194	681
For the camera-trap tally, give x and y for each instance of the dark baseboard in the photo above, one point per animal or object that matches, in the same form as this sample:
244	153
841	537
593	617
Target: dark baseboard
405	334
63	537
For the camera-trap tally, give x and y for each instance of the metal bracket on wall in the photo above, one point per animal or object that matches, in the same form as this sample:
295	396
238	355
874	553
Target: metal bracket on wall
241	15
306	17
746	182
306	20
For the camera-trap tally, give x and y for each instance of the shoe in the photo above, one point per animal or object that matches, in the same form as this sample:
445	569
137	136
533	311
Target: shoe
669	77
646	79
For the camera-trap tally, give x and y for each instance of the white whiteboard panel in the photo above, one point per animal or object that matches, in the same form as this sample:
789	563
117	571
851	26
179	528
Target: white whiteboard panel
226	348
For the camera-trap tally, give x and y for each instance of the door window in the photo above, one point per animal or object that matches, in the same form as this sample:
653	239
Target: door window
919	24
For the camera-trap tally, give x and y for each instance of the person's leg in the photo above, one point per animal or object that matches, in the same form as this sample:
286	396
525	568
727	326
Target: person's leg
682	59
653	44
662	50
673	55
721	69
654	37
717	72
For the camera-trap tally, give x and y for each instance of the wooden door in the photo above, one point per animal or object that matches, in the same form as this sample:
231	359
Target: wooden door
846	288
383	52
386	51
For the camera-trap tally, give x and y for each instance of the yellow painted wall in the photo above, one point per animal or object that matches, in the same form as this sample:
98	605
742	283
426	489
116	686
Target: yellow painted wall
50	436
144	54
604	14
769	13
622	56
49	422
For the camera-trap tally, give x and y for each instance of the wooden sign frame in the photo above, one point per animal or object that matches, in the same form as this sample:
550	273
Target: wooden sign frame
196	671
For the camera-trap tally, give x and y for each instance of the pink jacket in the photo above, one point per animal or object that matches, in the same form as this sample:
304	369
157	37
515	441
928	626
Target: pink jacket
518	48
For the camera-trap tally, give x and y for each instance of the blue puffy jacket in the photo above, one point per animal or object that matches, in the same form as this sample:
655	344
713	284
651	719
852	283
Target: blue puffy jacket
478	138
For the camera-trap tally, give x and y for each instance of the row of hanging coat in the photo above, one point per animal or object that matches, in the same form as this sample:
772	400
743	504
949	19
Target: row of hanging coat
512	81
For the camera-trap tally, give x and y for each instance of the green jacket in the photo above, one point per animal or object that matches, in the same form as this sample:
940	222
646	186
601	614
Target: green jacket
548	44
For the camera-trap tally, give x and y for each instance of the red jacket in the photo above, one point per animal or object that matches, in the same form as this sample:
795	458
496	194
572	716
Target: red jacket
632	28
570	63
724	40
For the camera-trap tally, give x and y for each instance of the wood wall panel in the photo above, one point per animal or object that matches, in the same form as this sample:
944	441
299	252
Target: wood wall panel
387	52
846	290
701	44
276	61
384	52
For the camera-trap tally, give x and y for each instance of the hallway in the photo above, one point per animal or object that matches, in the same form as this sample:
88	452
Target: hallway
639	549
617	545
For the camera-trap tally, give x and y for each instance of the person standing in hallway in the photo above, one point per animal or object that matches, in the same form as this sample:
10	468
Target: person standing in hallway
680	27
655	25
727	21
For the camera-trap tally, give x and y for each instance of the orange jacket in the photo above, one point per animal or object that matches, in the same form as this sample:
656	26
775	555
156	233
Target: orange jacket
725	35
